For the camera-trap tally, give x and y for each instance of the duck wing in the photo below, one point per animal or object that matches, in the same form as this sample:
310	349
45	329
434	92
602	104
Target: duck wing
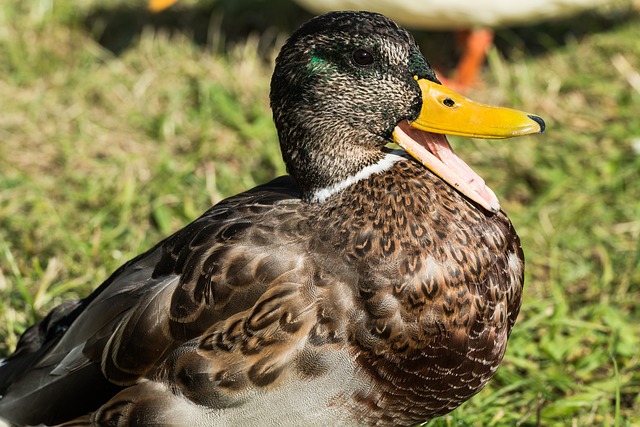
118	336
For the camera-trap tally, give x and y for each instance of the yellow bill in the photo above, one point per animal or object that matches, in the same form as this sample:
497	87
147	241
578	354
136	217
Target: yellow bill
447	112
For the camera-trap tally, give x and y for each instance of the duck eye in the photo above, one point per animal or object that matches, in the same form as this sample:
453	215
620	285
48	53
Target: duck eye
449	102
362	57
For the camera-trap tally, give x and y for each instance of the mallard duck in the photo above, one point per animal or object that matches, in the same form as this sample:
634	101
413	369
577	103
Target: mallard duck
370	286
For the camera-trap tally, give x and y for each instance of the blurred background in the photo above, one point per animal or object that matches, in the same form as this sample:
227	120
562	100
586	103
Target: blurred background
119	126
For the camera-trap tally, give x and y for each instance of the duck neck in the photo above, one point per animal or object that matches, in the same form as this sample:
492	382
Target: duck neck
320	170
383	164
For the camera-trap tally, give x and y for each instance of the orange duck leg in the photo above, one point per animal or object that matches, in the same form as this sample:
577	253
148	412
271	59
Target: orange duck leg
474	45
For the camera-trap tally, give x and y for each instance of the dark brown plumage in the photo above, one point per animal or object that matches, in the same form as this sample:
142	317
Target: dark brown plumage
364	290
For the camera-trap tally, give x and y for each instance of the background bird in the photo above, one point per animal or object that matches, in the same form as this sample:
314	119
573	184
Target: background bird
472	21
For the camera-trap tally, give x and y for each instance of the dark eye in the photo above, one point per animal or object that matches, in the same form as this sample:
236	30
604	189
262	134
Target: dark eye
362	57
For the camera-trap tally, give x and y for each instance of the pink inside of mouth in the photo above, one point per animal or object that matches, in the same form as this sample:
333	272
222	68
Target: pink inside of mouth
448	165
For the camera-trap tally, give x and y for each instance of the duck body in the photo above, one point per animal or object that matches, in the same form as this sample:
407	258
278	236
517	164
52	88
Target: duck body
461	14
389	333
473	22
360	290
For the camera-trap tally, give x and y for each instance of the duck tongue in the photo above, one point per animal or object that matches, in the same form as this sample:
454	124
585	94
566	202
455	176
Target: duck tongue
434	151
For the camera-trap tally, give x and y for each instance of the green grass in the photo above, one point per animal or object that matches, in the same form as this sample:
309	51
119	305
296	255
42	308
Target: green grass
117	128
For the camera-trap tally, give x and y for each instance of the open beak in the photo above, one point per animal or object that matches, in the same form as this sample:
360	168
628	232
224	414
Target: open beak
447	112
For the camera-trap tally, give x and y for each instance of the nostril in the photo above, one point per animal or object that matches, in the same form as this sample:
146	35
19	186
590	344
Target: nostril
539	121
449	102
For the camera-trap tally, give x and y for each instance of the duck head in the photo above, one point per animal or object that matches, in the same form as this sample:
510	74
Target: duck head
348	83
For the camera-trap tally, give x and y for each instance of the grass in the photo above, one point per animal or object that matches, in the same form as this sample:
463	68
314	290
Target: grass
118	128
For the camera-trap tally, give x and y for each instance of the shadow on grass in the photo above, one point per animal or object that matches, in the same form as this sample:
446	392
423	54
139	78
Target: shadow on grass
544	36
116	28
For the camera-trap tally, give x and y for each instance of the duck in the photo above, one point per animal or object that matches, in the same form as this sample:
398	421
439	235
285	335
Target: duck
375	284
472	23
452	14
